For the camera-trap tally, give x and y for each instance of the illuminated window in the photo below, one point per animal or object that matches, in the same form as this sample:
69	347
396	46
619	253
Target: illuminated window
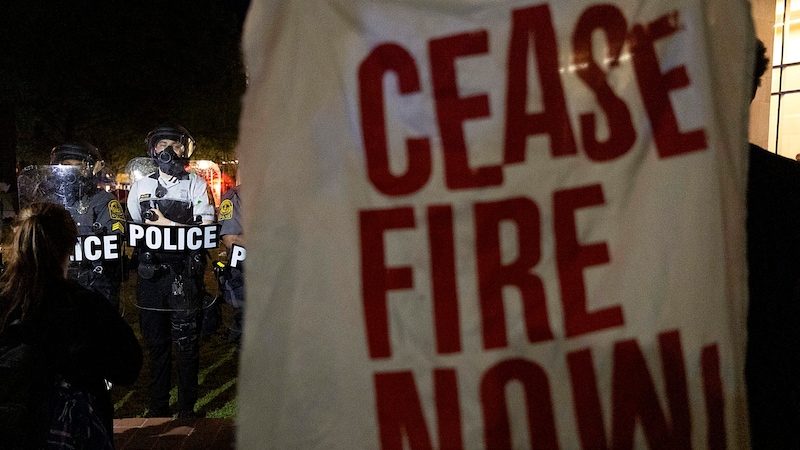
784	136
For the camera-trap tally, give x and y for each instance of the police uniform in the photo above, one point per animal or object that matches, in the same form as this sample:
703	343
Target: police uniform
232	280
98	214
171	298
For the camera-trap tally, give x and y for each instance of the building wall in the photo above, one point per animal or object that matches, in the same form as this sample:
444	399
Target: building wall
764	19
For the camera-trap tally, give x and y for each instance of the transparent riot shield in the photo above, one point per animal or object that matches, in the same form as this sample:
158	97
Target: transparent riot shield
107	179
64	185
171	261
97	262
138	168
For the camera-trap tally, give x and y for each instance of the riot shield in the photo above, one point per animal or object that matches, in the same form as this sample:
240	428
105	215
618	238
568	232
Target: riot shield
172	258
97	260
138	168
64	185
107	179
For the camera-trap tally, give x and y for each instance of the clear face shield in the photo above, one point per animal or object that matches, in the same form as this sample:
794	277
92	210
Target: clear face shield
182	145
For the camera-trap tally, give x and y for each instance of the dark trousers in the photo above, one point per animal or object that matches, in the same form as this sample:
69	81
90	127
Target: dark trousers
233	289
160	330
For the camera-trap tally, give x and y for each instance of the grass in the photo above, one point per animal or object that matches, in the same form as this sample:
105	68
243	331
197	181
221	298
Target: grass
218	365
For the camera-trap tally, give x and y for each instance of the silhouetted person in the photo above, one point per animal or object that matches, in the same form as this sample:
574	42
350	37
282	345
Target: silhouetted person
82	340
773	248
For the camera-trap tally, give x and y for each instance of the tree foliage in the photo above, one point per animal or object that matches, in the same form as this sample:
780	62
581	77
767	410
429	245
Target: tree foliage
108	72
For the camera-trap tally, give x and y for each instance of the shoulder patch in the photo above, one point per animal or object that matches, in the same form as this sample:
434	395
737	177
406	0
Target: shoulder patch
225	210
115	210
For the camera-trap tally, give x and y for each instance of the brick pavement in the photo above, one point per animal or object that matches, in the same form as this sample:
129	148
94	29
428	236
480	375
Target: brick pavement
169	433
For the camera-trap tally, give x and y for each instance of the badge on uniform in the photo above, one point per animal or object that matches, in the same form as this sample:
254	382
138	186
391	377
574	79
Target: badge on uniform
226	210
115	210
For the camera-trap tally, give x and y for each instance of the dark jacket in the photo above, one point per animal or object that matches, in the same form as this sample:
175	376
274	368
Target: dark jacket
85	341
773	348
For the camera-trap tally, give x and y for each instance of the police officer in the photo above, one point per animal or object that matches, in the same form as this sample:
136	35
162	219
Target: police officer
170	286
231	276
95	212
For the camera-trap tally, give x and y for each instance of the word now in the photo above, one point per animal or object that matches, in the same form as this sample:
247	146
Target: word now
634	402
173	238
97	248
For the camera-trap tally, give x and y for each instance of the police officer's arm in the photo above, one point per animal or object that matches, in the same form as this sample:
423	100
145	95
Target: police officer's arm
133	203
233	239
230	219
203	205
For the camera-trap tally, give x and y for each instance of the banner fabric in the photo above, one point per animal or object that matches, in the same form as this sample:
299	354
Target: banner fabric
495	224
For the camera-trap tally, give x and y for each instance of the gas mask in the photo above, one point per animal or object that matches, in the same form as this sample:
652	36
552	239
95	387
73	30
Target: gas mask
170	163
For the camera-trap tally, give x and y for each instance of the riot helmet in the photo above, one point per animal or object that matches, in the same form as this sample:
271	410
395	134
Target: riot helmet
170	146
75	176
175	135
78	153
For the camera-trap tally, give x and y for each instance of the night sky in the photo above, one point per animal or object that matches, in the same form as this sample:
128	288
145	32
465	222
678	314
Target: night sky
108	72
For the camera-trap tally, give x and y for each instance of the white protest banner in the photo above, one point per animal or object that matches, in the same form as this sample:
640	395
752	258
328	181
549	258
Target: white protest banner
495	224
